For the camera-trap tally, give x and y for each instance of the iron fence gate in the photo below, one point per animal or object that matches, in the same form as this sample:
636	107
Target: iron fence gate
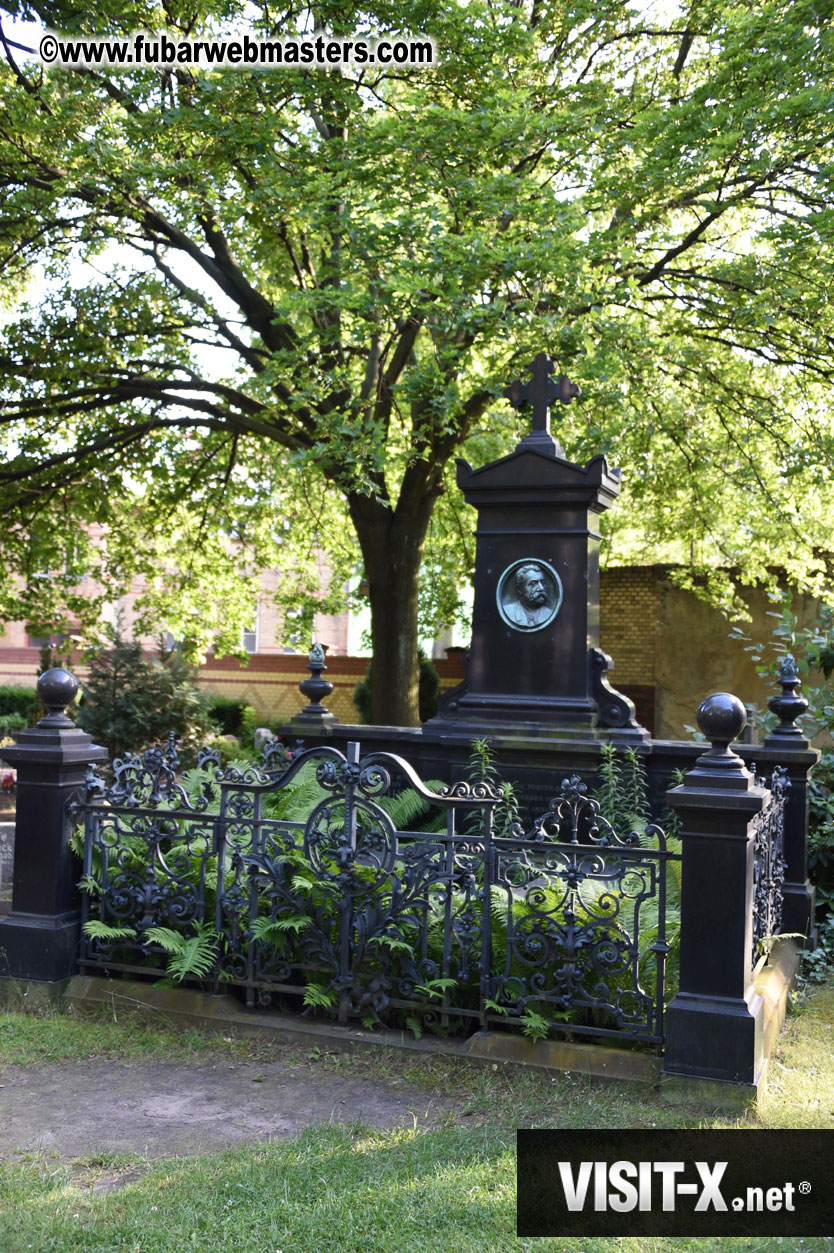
292	882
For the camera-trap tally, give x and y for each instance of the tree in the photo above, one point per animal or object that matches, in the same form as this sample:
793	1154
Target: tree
315	284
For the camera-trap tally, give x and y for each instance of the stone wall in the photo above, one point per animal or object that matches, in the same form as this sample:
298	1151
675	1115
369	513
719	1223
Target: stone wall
629	621
270	684
267	682
660	635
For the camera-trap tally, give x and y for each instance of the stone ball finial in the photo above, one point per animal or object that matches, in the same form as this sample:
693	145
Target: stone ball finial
57	689
722	718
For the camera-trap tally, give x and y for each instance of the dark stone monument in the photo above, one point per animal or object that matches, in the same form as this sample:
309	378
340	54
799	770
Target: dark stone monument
535	666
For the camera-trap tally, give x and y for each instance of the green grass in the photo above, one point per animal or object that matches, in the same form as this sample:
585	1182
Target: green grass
342	1189
800	1091
27	1039
349	1189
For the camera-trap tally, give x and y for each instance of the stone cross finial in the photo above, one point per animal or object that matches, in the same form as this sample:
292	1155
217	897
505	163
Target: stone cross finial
541	391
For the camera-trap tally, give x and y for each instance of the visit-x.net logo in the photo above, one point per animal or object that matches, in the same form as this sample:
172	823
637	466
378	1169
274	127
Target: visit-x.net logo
681	1183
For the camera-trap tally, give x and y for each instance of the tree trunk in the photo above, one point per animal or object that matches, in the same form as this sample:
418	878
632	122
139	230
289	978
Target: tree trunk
392	542
395	672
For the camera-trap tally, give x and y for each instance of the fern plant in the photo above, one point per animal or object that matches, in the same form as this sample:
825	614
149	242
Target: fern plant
296	911
409	811
95	929
535	1026
190	956
316	996
297	799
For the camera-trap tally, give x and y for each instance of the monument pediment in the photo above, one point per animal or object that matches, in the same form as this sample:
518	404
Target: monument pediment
526	469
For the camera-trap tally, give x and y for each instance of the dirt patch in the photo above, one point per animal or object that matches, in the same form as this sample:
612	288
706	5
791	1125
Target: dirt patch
160	1109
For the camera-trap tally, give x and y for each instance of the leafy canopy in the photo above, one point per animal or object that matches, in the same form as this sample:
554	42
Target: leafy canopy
278	303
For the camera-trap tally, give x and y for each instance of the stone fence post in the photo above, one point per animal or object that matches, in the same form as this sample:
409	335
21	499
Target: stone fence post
714	1025
39	937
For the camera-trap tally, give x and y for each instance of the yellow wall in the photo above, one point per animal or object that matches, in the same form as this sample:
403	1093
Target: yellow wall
659	634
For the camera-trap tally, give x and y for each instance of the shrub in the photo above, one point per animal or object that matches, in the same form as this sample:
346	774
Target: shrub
812	647
10	723
228	750
249	723
226	714
19	700
623	790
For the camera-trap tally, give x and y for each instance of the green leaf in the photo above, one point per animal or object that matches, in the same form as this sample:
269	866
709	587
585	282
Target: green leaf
535	1026
319	997
97	930
395	946
277	928
435	988
190	955
415	1027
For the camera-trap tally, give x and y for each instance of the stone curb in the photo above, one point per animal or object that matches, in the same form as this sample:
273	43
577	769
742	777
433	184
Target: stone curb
224	1013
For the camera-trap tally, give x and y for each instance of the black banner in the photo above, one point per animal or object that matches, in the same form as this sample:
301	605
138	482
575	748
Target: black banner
675	1183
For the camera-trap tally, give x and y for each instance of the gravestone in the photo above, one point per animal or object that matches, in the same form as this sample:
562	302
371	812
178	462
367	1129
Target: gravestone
535	666
6	861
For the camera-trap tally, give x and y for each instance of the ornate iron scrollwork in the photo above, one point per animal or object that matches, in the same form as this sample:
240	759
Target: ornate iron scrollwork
574	817
342	908
769	859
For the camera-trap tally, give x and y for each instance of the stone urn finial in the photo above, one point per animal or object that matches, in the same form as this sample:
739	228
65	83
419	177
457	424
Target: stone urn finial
790	704
315	689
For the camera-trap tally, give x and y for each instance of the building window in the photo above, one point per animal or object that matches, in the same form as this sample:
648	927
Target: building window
250	637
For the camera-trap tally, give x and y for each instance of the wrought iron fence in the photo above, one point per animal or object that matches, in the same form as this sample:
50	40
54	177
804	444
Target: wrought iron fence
291	881
769	859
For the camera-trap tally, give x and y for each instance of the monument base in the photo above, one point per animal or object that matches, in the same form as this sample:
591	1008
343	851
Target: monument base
559	728
595	712
534	757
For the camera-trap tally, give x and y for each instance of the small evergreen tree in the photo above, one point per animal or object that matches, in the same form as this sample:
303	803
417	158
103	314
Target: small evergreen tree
130	700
